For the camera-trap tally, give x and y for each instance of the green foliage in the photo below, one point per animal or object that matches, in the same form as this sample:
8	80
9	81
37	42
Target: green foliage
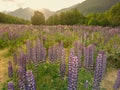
66	18
114	15
53	20
72	17
38	18
4	18
114	60
98	19
109	18
47	77
85	76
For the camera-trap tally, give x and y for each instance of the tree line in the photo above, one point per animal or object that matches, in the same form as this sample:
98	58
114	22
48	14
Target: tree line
74	17
8	19
71	17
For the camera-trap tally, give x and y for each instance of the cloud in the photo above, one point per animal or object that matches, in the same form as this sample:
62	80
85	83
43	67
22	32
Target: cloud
9	0
20	5
17	3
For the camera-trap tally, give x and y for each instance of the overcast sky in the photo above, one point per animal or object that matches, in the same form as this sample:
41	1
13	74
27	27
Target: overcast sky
10	5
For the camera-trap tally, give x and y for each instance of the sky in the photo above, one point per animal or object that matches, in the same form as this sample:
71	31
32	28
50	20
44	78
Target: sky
10	5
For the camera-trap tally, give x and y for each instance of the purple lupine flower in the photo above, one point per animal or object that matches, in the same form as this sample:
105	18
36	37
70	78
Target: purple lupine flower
31	85
73	73
34	55
79	57
41	51
10	85
54	52
63	64
59	50
54	56
15	58
38	45
10	69
86	58
117	82
21	79
71	54
22	61
44	54
99	70
104	63
78	52
29	50
89	57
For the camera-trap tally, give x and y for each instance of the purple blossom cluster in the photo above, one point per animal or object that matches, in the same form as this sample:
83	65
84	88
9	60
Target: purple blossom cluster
63	64
21	79
29	50
117	82
73	68
12	32
99	70
10	69
41	52
15	58
10	85
78	48
89	57
55	52
22	60
36	53
30	81
25	78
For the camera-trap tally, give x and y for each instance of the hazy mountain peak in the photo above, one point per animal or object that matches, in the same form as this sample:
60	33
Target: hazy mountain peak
27	13
86	7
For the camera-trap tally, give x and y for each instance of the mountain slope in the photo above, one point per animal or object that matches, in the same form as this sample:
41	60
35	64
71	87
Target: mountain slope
92	6
22	13
5	18
86	7
27	13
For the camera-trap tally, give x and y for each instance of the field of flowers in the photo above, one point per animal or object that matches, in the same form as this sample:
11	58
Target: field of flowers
60	57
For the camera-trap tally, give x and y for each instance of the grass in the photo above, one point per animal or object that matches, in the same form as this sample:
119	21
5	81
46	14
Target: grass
4	57
109	79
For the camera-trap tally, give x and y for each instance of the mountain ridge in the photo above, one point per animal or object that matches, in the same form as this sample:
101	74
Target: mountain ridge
86	7
27	13
92	6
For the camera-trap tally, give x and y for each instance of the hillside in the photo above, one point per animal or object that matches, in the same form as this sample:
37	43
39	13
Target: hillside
26	13
86	7
9	19
92	6
22	13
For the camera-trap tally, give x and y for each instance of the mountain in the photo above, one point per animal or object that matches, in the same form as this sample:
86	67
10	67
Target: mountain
46	12
92	6
86	7
27	13
8	19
